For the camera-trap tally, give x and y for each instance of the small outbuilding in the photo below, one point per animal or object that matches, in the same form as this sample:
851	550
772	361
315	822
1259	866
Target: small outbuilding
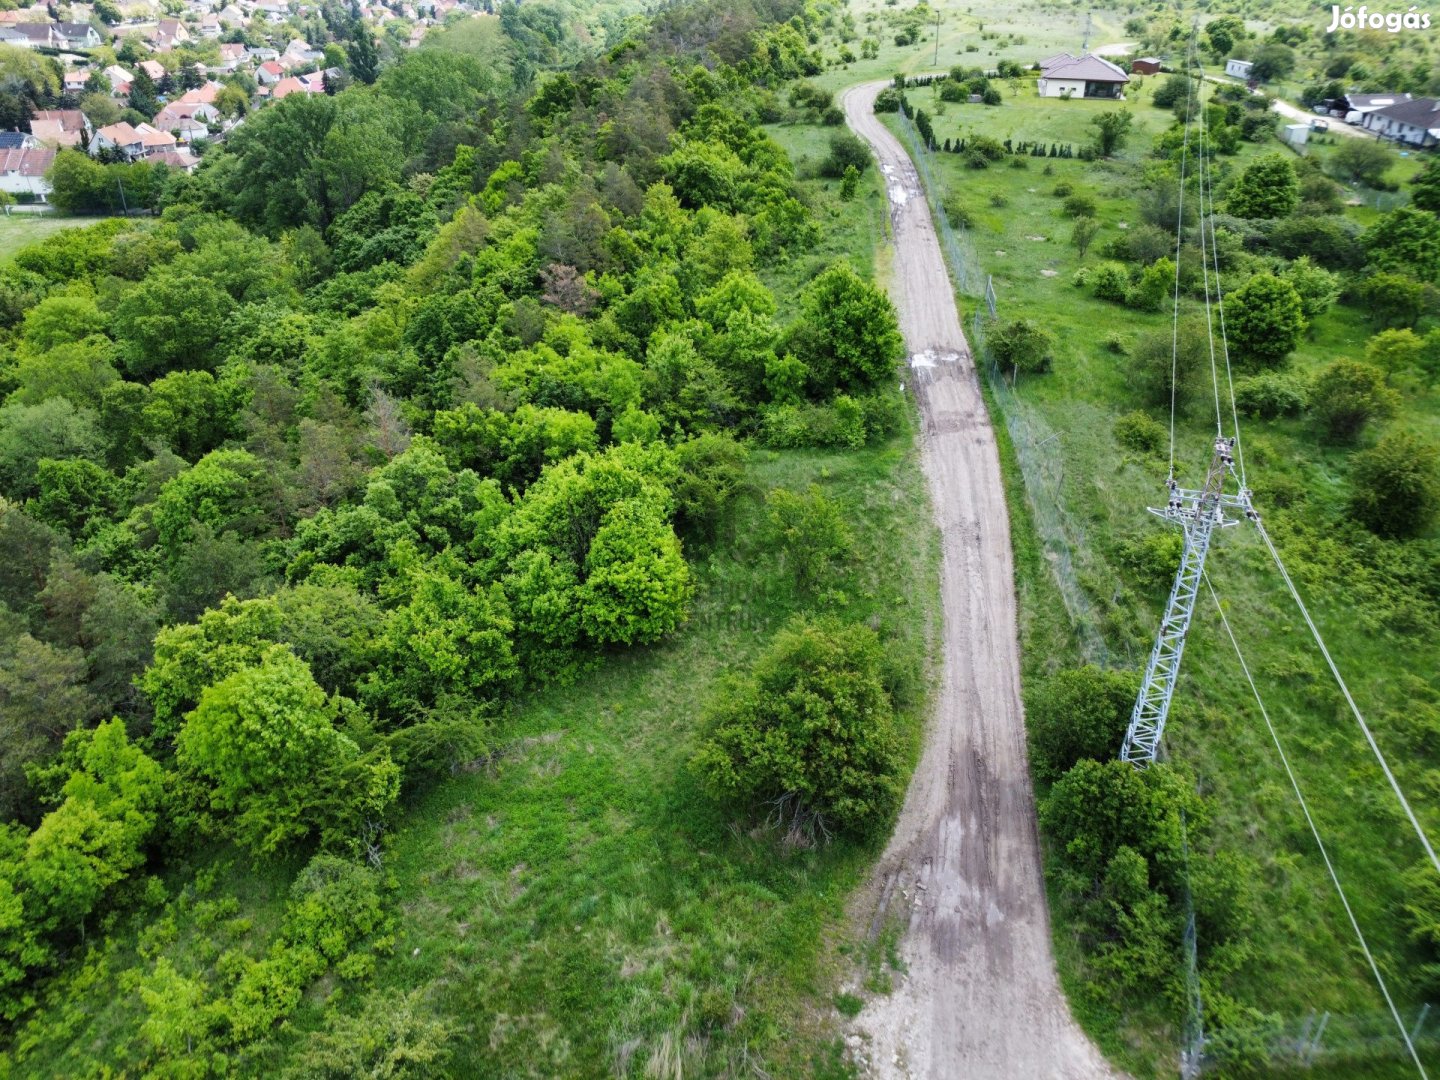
1239	69
1146	65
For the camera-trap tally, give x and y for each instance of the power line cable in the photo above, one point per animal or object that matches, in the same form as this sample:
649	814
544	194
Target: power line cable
1205	266
1179	233
1224	337
1335	671
1315	832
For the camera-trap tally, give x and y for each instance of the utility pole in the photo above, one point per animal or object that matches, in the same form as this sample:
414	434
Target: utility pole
937	37
1198	511
1085	48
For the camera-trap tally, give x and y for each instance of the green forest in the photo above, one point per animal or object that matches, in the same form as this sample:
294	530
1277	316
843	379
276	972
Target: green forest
440	542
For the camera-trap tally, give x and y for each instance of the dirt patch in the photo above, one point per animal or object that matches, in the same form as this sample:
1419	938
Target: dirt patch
978	998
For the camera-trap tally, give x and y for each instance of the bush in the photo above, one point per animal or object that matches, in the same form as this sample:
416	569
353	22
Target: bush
1080	205
999	200
1111	282
888	100
846	150
809	531
1062	189
1395	485
955	211
1155	284
1116	342
1141	433
1077	714
808	734
1022	344
1271	394
1346	396
1264	320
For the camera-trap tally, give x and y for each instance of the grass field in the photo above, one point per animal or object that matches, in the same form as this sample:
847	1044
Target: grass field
573	905
17	230
1084	499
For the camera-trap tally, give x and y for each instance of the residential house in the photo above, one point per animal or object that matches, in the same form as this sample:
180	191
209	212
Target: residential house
273	12
292	85
69	35
174	114
1082	76
75	80
167	34
230	15
59	128
18	140
1355	107
118	136
120	79
177	159
269	73
210	26
35	35
153	68
22	171
1239	69
154	141
10	35
1145	65
1414	123
263	55
232	56
202	95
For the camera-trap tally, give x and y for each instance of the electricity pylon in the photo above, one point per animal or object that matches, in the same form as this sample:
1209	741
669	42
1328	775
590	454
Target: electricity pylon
1199	511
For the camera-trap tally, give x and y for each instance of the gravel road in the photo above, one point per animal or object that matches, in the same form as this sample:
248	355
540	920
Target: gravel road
980	1000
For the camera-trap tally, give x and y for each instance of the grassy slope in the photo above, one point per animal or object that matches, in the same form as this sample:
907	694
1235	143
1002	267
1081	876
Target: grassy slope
1304	955
17	230
574	906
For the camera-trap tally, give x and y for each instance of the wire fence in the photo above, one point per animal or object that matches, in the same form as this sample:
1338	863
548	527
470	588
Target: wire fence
1322	1039
1039	449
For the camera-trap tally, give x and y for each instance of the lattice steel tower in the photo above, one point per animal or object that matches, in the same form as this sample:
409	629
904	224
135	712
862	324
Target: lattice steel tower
1199	511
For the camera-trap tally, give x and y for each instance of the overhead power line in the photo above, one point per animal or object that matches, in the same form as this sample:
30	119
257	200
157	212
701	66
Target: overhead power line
1344	689
1315	832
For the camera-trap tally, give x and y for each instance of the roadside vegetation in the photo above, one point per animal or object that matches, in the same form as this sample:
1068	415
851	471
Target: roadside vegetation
1329	309
469	585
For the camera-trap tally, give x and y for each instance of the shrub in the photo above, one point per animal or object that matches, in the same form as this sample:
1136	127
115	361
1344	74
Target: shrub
1110	281
1116	342
1154	286
846	150
1140	432
1081	277
1264	320
1271	394
999	200
888	100
1062	189
1022	344
810	531
1346	396
955	211
1079	205
809	732
1395	485
1077	714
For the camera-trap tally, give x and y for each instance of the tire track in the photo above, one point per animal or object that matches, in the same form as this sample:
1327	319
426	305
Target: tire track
979	1000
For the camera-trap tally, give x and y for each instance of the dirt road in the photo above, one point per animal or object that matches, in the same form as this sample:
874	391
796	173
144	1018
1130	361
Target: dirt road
980	1000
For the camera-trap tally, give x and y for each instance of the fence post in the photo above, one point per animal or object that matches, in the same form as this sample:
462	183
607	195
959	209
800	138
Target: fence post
1313	1050
1419	1023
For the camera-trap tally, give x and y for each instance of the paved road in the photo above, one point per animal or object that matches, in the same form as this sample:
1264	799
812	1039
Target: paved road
980	1000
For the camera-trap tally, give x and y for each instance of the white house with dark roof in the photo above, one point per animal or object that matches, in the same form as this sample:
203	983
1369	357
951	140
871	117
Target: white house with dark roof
1414	123
1359	106
1081	76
